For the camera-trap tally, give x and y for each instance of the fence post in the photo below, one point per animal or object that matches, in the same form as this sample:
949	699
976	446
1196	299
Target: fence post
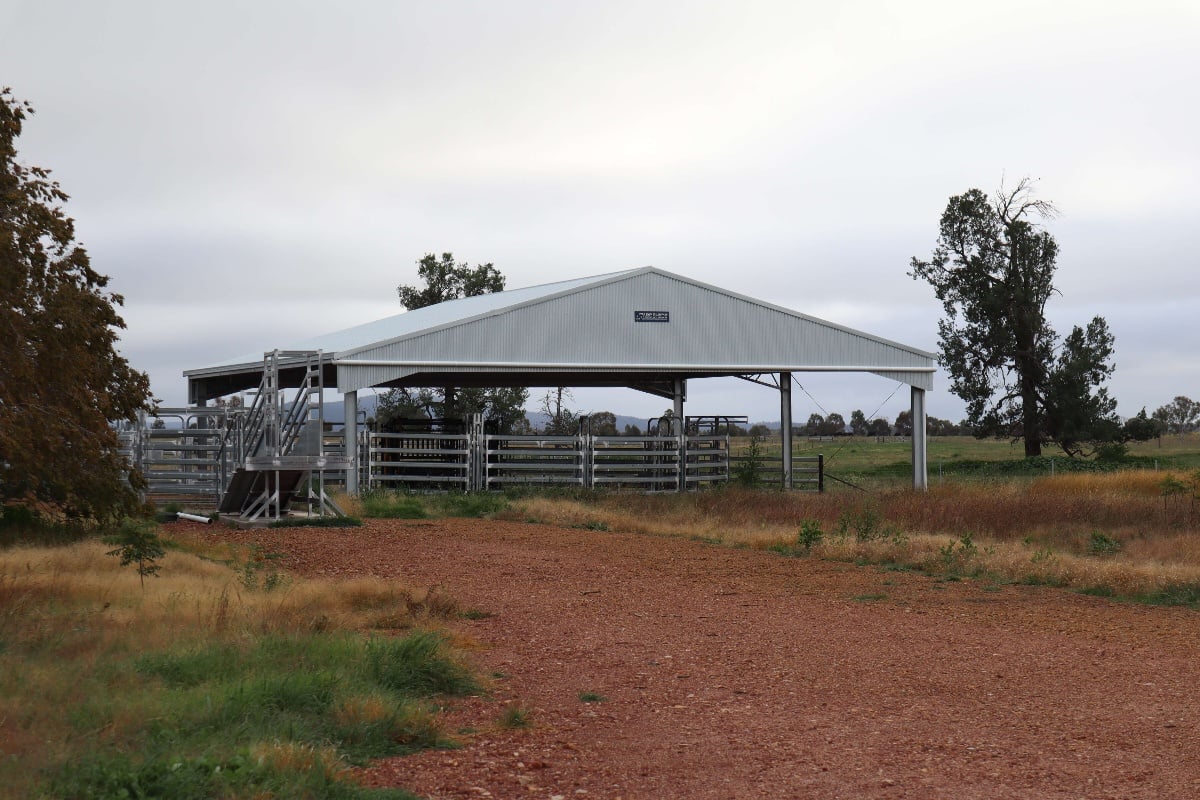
476	454
820	473
587	456
681	458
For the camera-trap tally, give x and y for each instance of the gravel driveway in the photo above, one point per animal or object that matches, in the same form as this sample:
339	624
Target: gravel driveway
731	673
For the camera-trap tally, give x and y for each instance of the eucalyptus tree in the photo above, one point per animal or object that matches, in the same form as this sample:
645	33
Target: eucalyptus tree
993	270
446	279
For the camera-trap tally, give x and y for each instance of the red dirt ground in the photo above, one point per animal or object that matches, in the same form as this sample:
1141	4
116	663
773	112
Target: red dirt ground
734	673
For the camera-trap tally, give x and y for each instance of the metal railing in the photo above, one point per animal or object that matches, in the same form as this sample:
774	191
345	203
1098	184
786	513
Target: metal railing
545	460
179	451
427	459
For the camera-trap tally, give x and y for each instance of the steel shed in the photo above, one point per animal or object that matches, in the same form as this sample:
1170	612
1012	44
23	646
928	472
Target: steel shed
645	329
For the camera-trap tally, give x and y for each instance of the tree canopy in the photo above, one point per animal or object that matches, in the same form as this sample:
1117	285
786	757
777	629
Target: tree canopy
1180	415
446	279
993	270
62	381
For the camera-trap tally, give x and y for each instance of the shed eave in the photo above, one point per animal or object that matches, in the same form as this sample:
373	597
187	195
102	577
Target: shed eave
644	367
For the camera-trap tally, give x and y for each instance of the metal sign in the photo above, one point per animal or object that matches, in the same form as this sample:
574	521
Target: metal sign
652	316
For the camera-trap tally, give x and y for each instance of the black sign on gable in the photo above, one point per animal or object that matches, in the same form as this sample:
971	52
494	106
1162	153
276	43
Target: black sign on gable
652	316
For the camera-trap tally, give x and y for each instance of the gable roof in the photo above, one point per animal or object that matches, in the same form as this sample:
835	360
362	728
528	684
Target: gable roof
587	332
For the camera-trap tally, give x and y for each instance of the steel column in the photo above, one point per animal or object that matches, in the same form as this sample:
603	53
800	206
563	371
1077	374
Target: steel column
350	434
919	455
680	396
785	426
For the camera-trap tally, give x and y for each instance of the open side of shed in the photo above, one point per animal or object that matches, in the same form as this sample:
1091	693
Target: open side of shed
644	329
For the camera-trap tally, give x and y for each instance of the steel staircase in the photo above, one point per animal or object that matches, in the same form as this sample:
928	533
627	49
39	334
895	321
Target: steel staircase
276	446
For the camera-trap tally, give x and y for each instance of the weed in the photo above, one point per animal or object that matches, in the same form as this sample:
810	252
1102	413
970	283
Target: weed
869	598
1102	544
515	716
1043	555
418	665
262	564
475	613
591	697
748	471
957	555
864	522
810	535
382	504
467	504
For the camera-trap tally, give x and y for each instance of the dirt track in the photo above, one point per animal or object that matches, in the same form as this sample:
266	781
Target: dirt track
734	673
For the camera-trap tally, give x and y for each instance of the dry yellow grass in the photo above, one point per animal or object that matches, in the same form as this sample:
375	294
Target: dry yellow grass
191	594
1045	530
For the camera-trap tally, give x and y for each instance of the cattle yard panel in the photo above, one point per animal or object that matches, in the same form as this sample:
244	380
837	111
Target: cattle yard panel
189	454
431	460
650	463
180	452
541	460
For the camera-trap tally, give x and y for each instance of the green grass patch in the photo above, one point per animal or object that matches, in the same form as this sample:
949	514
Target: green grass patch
208	711
199	686
317	522
389	504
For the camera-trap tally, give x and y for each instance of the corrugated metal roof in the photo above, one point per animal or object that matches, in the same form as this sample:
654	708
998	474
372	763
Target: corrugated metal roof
418	320
590	326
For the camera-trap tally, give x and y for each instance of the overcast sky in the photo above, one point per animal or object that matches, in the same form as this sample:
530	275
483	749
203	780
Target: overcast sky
251	174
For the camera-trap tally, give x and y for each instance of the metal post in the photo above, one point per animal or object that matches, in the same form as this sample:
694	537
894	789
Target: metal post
919	456
785	427
350	435
680	396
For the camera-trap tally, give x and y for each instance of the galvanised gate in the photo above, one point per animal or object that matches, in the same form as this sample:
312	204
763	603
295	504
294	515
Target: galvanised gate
473	460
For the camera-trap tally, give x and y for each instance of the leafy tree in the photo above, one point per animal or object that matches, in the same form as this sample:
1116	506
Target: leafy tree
993	269
904	426
446	279
1140	428
631	430
834	425
1180	415
813	426
759	431
858	422
940	427
137	543
604	423
397	404
1079	410
879	427
62	382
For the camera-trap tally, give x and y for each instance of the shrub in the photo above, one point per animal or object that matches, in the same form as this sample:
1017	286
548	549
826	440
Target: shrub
748	471
1102	544
137	543
810	534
